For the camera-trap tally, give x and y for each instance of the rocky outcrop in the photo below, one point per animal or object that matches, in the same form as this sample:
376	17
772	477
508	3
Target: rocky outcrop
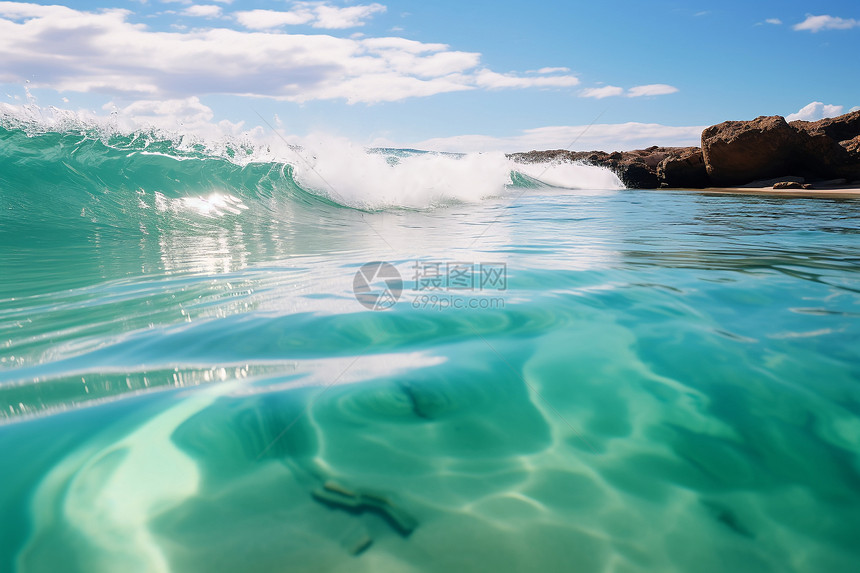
771	182
852	145
735	153
842	128
637	175
686	170
791	185
638	169
830	148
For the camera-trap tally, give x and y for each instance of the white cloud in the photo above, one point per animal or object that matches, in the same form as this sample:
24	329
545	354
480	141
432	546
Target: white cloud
268	19
606	137
102	52
552	71
815	111
19	10
637	91
493	80
331	17
202	11
774	21
166	113
651	90
186	2
317	14
605	91
825	22
855	108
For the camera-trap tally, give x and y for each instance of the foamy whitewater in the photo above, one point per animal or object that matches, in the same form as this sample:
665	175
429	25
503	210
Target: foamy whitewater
229	354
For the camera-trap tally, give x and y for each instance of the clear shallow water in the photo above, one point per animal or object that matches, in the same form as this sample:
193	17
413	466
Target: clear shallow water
187	382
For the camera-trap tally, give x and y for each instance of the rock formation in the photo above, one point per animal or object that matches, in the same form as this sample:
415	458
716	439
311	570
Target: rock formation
830	148
686	169
638	169
735	153
791	185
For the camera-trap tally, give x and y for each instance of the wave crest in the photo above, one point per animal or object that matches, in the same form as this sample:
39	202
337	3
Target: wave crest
70	157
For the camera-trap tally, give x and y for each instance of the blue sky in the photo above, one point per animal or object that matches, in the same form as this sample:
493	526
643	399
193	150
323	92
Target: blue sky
448	75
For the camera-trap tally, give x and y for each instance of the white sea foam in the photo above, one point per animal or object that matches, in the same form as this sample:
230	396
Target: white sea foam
353	176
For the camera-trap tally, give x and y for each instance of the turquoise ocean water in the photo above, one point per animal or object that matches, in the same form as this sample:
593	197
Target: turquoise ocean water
575	377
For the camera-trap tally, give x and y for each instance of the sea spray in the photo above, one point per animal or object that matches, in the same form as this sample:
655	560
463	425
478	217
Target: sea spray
355	177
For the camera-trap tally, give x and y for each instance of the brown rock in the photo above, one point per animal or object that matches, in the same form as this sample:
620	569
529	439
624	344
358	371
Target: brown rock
772	182
637	169
684	171
823	157
736	152
852	146
839	129
789	185
637	175
831	146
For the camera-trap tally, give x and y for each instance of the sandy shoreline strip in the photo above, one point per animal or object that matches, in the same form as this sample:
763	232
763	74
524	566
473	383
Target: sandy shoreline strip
828	193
